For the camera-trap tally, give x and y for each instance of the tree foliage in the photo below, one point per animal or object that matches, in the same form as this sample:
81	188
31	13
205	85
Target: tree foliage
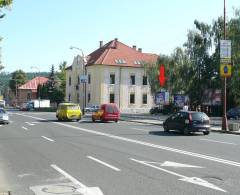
18	78
195	67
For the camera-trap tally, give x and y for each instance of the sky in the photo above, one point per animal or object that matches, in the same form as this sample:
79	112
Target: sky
39	33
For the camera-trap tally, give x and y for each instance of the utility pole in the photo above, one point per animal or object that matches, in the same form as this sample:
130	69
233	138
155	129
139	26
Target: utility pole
224	118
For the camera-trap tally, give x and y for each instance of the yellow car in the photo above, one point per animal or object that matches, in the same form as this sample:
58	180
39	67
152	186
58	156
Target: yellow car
68	111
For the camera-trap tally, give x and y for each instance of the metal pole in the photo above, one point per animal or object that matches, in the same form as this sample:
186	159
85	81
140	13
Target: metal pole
224	117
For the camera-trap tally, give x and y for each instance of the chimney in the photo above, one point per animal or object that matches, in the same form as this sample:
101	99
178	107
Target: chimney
100	44
116	39
140	50
134	47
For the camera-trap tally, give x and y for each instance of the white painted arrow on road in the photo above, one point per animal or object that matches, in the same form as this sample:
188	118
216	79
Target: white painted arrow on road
193	180
176	165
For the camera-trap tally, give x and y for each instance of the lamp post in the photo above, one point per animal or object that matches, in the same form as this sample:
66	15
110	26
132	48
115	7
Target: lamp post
34	67
84	72
224	117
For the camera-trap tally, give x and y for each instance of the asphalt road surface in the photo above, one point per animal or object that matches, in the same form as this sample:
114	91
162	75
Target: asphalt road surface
39	155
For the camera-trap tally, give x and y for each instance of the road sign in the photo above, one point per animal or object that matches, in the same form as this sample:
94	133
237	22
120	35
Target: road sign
225	70
83	79
225	51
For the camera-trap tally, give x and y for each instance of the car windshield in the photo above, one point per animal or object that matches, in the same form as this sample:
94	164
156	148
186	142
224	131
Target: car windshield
199	115
2	111
72	107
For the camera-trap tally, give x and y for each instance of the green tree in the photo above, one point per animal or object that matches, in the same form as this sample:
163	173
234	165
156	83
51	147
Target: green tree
62	76
4	3
18	78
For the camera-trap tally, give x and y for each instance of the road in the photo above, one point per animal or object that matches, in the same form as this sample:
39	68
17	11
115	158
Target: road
39	155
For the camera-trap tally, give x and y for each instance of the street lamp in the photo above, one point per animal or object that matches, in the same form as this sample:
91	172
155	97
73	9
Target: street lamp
84	72
34	67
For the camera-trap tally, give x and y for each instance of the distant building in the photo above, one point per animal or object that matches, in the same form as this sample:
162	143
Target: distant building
28	91
115	74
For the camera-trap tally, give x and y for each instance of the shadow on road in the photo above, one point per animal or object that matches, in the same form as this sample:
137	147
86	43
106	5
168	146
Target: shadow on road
171	133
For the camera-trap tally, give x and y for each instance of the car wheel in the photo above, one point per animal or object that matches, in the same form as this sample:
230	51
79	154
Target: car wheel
185	131
116	121
206	132
166	129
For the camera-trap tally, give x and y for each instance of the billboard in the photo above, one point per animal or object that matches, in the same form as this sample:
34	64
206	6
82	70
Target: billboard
211	97
162	98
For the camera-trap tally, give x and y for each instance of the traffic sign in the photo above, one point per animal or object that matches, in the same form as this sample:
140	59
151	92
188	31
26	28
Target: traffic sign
225	70
83	79
225	51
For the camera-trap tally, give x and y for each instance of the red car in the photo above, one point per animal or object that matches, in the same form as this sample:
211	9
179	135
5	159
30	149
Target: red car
107	112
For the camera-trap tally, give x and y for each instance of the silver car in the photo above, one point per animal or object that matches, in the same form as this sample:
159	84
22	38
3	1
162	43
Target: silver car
4	116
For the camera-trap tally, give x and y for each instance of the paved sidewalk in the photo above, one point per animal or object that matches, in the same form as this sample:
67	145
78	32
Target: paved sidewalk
158	120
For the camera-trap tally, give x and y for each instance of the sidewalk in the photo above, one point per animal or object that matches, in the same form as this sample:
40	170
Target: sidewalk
159	119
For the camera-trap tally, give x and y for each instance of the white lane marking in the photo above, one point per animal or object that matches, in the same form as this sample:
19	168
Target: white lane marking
211	140
71	178
140	129
202	156
35	122
51	140
29	123
194	180
25	128
82	188
103	163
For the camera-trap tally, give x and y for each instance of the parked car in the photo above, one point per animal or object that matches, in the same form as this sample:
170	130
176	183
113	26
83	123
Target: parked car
107	112
233	113
24	107
188	121
91	108
68	111
4	119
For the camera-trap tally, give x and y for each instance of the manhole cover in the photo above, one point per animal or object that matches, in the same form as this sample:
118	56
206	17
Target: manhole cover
59	189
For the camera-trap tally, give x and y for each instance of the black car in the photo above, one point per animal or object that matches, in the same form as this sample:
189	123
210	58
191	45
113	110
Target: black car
188	121
234	113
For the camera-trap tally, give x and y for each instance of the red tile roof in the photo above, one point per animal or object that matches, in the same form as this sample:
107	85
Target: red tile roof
118	54
33	84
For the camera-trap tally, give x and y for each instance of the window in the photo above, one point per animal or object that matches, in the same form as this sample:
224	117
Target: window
89	79
69	81
69	97
28	96
144	98
89	97
144	80
112	78
132	79
111	98
132	98
120	61
78	82
137	62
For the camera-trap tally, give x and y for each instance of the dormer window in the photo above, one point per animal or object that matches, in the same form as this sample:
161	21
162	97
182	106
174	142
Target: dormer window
120	61
138	62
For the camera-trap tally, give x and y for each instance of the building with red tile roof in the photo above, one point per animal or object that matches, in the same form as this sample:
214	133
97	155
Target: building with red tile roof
28	91
115	74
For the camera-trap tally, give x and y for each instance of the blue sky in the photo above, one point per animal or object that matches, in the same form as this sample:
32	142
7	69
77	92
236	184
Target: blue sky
39	33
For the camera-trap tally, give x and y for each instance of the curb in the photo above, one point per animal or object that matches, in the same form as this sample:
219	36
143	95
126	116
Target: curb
226	132
212	130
